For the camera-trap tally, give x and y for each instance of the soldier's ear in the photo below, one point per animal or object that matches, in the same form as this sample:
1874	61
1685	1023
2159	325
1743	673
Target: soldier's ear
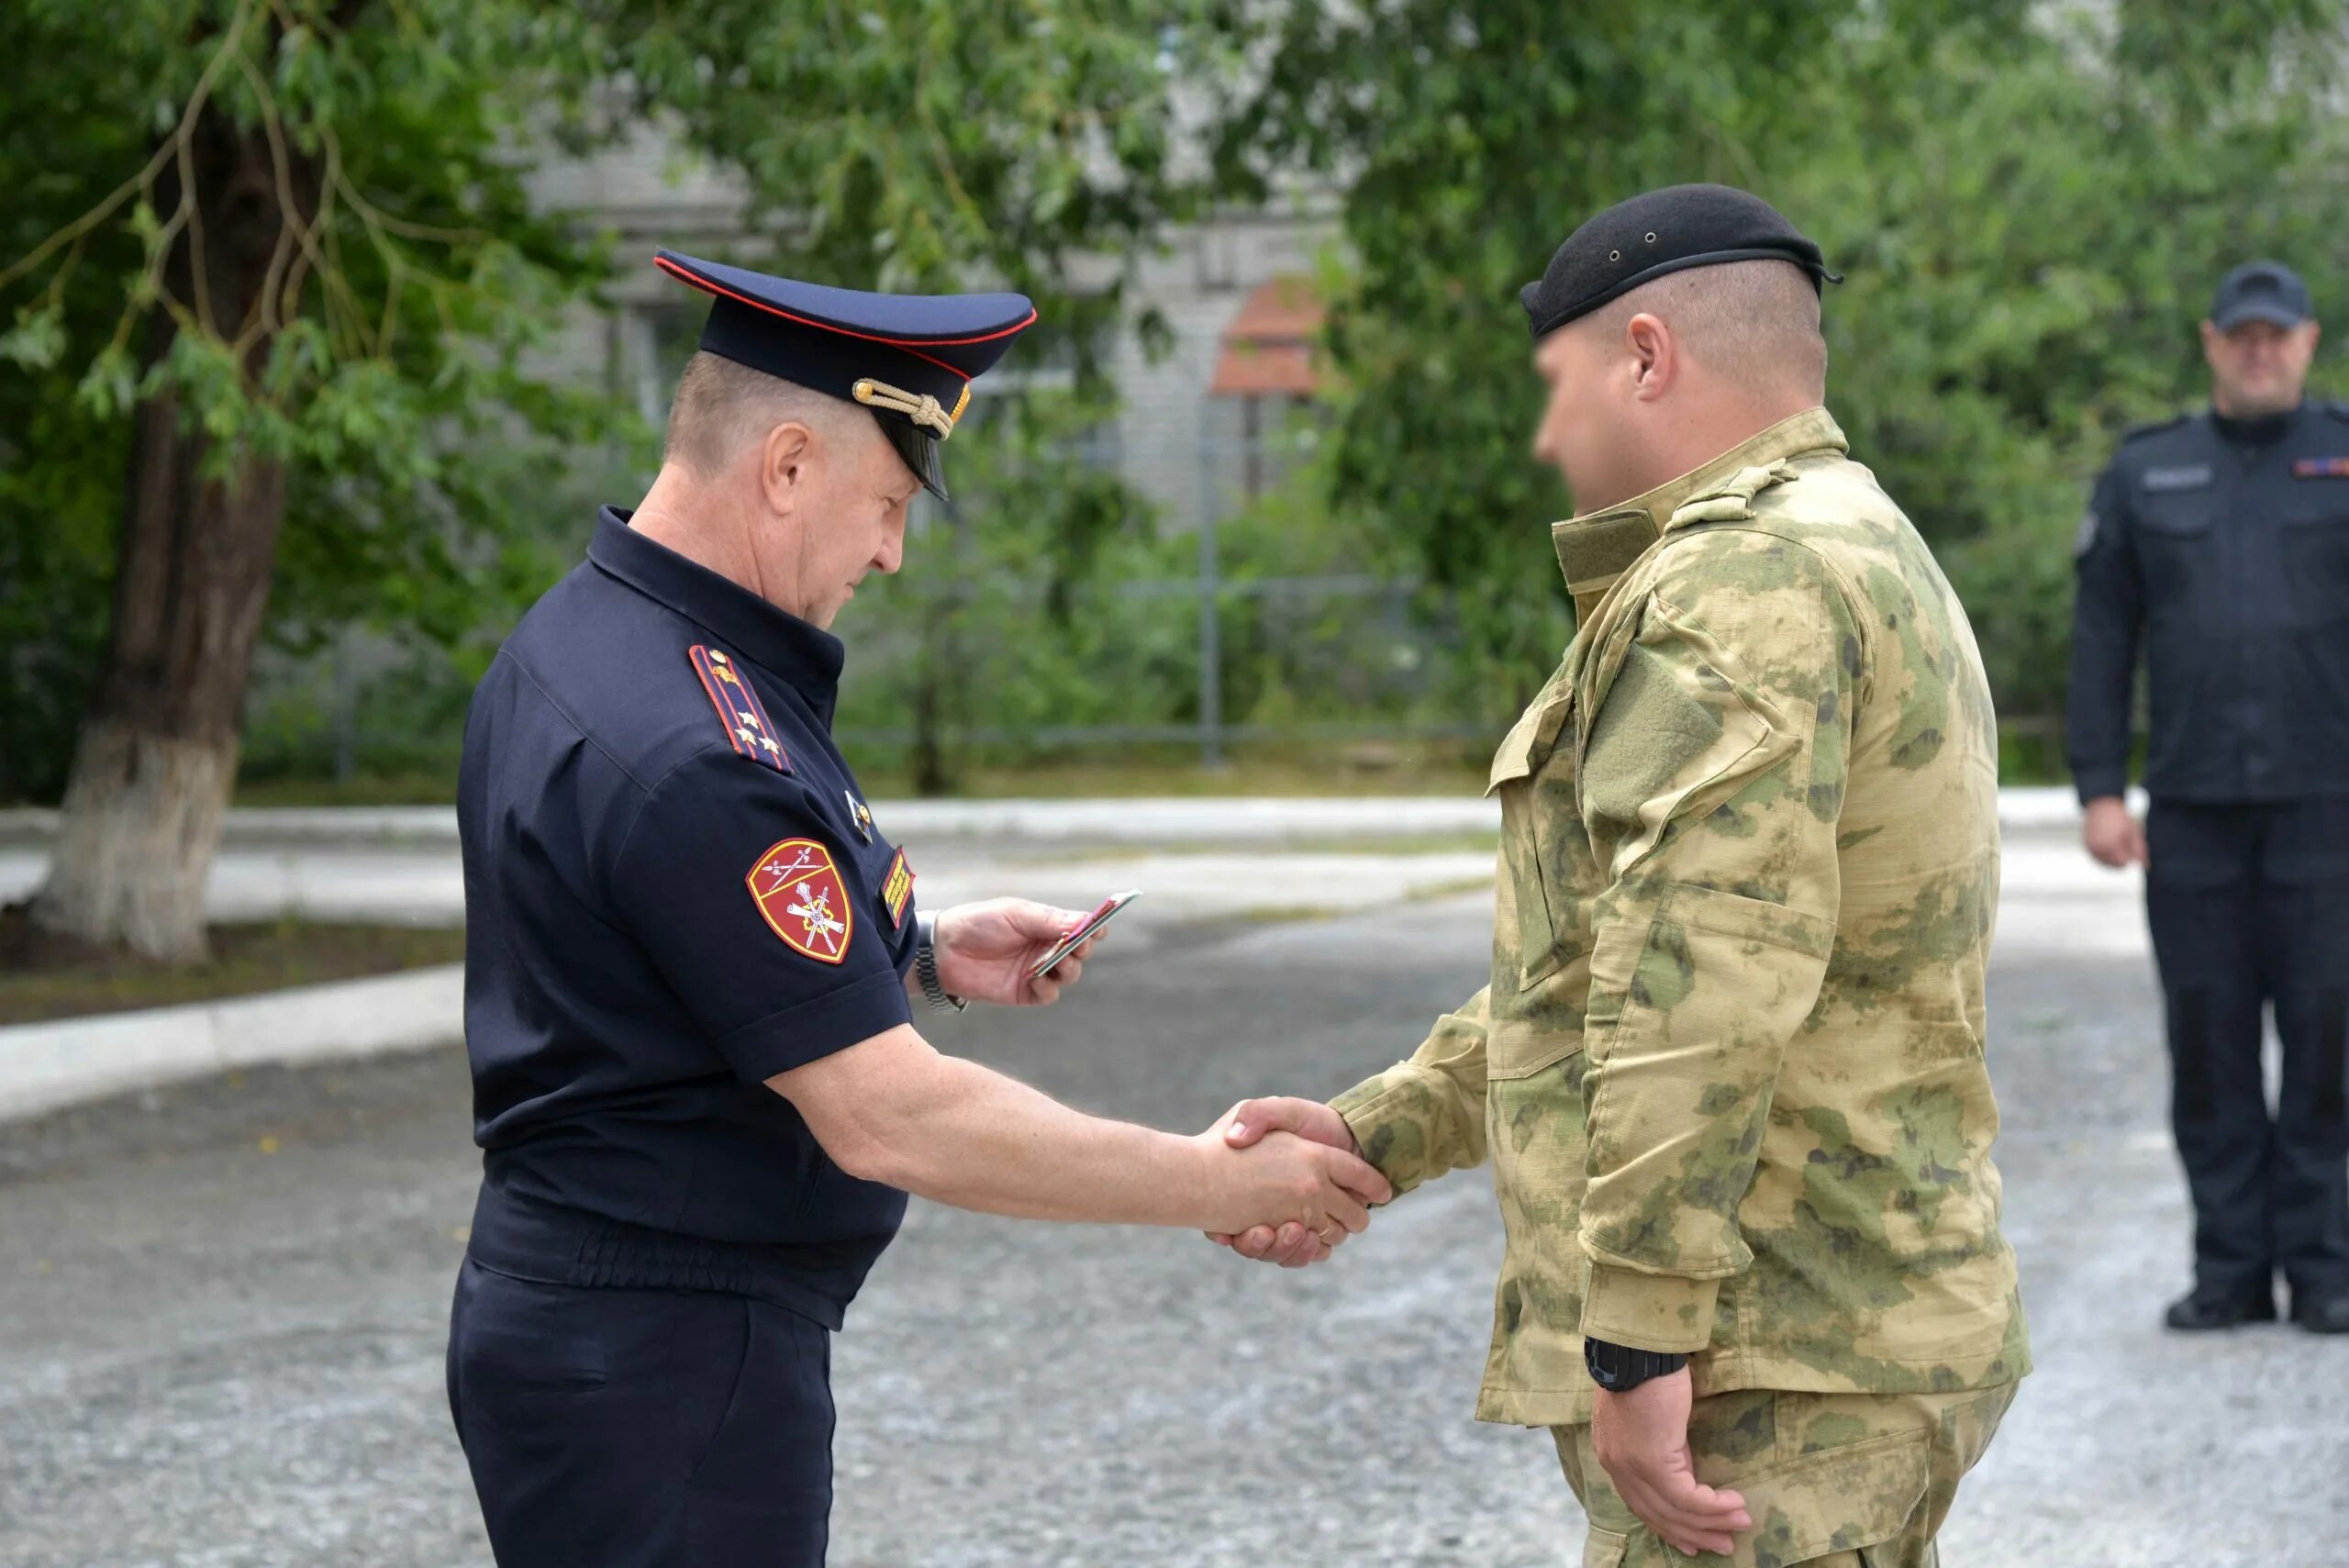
1654	356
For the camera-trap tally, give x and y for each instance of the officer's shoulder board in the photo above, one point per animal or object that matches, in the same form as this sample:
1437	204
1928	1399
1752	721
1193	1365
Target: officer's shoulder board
740	713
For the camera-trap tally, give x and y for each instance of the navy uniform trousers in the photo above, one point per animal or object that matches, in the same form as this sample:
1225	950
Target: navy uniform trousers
2249	905
641	1428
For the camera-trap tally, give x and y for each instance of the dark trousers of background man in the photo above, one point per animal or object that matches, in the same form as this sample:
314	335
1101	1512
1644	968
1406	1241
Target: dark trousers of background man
2250	907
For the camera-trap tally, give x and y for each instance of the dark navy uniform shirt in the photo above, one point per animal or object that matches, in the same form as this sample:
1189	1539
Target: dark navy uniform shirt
672	891
2221	548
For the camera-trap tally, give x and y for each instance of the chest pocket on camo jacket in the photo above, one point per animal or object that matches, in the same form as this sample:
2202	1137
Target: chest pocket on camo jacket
1534	777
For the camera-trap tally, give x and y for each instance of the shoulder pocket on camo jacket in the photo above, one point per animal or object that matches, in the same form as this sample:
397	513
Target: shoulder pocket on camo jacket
1698	972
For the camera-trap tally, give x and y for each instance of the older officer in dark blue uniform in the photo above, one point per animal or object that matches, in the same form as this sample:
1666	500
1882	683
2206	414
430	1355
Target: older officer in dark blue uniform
2218	544
691	961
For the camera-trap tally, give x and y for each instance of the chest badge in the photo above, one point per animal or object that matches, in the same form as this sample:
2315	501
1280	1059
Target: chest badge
2321	468
803	900
748	728
897	891
863	816
2187	476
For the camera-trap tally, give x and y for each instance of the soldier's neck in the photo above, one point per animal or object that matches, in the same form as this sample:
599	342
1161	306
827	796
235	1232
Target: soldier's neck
1695	434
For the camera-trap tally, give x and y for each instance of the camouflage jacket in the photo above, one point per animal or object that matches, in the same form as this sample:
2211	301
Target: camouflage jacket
1729	1067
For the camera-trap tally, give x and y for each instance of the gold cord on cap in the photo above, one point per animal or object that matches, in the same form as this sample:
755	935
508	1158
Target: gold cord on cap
922	410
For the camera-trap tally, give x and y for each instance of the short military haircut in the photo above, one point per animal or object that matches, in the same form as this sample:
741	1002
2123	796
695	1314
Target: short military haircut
1754	324
721	407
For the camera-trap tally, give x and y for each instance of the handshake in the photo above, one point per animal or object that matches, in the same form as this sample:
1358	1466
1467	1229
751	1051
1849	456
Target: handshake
1289	1153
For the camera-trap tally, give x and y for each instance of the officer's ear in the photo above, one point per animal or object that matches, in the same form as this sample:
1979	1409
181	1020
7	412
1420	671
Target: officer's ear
786	461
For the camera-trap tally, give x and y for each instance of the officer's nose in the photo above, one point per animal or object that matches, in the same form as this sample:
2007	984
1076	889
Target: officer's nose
892	553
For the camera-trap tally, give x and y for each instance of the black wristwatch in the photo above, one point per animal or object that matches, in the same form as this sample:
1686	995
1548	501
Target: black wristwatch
1618	1369
926	967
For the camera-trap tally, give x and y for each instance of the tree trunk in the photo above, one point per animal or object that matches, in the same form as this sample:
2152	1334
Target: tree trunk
938	686
157	754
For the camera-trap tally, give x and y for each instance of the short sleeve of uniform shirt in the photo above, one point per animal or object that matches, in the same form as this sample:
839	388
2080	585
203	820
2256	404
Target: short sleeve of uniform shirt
708	833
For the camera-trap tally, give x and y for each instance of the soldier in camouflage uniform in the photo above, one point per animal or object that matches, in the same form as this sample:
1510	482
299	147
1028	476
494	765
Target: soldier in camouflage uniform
1730	1069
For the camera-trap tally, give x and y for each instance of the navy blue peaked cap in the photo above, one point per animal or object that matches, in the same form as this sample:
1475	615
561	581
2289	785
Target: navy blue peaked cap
1656	233
909	358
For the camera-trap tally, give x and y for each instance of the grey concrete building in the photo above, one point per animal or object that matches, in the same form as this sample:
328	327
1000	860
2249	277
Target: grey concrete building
1189	416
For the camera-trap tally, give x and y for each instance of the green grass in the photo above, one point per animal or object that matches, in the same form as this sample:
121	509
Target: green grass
363	789
43	977
1122	780
2028	756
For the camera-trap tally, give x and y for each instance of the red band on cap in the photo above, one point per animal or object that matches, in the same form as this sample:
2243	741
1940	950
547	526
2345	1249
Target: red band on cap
697	281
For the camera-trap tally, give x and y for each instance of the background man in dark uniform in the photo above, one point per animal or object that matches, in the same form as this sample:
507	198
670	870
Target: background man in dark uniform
691	958
2218	543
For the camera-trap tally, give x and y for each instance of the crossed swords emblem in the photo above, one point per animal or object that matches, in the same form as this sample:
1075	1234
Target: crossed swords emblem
814	908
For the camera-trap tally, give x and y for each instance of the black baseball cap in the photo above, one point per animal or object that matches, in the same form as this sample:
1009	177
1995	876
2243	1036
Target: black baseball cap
2260	291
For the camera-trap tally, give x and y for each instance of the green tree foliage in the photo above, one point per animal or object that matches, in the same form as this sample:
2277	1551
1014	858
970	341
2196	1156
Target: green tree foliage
2031	202
362	372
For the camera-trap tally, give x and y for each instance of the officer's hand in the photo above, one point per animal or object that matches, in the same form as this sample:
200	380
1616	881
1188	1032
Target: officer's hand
1283	1180
984	951
1642	1438
2112	836
1292	1246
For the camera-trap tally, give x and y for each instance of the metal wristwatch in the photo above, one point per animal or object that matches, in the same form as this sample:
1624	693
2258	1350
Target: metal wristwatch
925	966
1618	1369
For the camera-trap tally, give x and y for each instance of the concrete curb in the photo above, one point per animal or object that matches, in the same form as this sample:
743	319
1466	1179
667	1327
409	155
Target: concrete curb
45	1065
1163	821
50	1064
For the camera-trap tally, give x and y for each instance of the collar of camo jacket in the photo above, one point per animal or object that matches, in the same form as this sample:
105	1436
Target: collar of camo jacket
1596	548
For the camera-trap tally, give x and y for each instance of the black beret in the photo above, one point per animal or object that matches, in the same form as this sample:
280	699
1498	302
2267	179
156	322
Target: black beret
909	358
1639	240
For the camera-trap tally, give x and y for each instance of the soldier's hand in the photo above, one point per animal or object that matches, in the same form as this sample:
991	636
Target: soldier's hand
2112	836
1284	1179
1641	1440
984	951
1292	1246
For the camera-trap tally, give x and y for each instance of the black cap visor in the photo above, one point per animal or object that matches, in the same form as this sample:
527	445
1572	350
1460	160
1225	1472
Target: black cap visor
2274	312
918	447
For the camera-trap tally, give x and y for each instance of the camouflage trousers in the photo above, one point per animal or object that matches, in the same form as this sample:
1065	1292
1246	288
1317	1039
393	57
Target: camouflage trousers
1833	1480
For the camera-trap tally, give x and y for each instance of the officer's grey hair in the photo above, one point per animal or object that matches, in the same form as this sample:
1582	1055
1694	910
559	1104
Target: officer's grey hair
722	407
1754	323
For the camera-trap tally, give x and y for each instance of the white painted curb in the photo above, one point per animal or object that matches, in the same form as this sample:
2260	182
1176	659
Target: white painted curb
1176	819
45	1065
50	1064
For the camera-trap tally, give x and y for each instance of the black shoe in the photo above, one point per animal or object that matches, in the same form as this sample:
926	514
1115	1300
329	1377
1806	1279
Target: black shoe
2204	1310
2323	1313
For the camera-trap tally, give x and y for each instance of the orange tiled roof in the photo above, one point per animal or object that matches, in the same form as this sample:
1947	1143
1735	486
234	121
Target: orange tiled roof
1268	348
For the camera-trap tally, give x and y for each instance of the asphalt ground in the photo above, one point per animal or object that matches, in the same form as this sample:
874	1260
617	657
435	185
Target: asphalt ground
223	1307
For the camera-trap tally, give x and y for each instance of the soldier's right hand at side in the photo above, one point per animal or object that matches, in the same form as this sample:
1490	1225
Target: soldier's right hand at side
2111	835
1292	1246
1285	1180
